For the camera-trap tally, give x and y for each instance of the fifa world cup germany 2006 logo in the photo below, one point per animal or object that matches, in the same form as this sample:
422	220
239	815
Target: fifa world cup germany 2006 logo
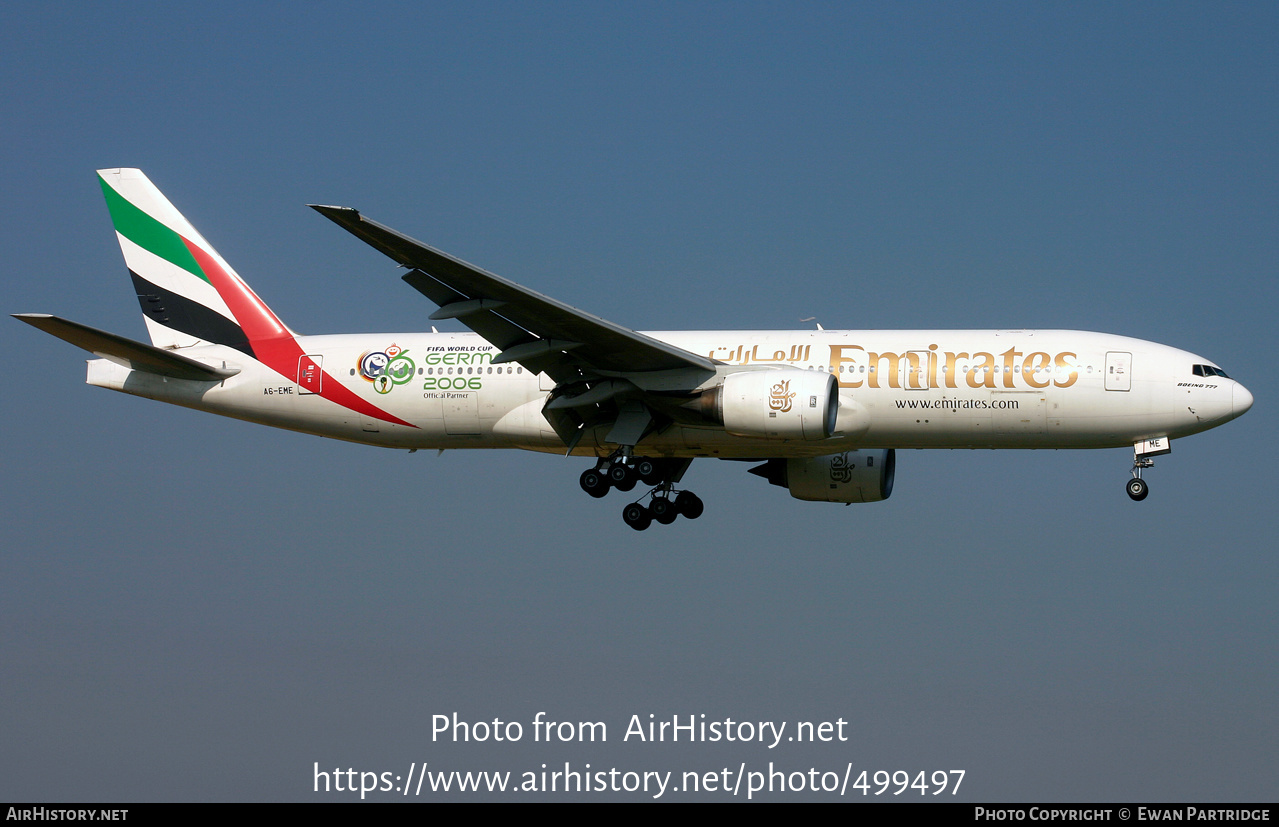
386	368
779	398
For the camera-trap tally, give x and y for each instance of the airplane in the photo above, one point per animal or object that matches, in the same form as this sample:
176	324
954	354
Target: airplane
822	412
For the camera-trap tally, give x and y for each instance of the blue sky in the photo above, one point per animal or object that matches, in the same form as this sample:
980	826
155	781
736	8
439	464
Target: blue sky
196	608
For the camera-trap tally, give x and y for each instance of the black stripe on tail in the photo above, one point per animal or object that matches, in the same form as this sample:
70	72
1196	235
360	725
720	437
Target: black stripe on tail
179	313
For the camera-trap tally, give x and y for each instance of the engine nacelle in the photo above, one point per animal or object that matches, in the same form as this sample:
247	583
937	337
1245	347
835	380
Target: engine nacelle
850	477
778	404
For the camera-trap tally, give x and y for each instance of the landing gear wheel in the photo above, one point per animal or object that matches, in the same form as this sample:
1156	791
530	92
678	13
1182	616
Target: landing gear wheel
647	471
663	510
1137	489
689	504
594	482
636	516
622	476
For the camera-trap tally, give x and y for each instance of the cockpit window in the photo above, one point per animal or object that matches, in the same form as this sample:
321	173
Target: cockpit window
1209	370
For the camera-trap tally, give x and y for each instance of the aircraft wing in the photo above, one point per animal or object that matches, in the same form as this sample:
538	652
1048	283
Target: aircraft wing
540	333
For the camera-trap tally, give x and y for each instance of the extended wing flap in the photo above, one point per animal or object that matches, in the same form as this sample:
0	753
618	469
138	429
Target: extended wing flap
605	346
122	351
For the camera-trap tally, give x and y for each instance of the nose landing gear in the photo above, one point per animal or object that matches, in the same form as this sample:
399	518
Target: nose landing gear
1142	457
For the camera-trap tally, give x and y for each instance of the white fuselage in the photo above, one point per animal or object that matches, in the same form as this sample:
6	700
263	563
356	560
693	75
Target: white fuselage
898	389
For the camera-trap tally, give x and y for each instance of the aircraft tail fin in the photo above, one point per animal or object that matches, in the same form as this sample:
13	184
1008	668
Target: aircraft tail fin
188	293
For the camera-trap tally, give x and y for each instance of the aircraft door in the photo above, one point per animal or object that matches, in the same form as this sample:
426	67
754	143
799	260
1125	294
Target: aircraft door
1118	371
461	413
310	373
915	370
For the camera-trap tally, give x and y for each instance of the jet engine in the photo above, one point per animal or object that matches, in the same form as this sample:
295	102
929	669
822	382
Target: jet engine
777	404
850	477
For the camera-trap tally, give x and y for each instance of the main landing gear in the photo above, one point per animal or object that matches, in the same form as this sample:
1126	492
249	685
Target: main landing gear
665	503
662	507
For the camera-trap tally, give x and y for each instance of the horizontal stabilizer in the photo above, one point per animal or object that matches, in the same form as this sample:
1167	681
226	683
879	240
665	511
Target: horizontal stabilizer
126	352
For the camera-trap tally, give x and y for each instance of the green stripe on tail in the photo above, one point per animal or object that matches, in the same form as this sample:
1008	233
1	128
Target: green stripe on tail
148	233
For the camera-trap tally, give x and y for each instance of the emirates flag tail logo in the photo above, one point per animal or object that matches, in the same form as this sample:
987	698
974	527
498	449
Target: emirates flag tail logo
779	398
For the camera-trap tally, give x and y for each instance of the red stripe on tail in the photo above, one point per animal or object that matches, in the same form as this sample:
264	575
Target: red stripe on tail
271	341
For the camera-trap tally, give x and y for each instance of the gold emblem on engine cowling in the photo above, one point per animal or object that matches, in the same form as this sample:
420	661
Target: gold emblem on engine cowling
779	398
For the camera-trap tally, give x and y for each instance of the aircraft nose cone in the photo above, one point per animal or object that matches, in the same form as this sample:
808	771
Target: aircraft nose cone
1242	400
